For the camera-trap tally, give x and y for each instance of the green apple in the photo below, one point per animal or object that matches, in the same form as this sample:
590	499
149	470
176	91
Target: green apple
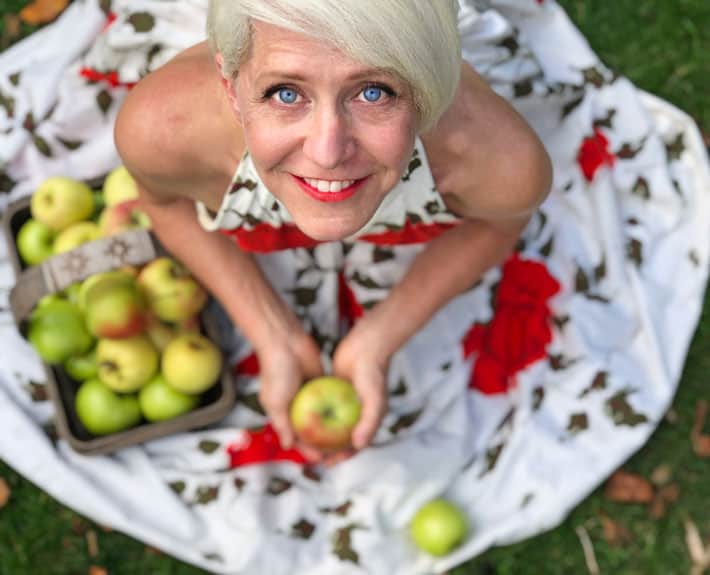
114	306
438	527
86	286
324	413
123	216
191	363
173	294
75	235
102	411
159	401
57	330
59	202
119	186
125	365
81	367
34	242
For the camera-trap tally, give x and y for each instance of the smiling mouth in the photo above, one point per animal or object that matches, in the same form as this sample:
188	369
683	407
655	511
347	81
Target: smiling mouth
330	190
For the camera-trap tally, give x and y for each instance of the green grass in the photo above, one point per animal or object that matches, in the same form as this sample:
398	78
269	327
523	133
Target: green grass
662	46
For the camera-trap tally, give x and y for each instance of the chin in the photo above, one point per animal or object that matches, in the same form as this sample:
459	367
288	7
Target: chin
329	230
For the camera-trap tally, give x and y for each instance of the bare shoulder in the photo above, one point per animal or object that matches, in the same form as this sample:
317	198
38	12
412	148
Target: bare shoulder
486	161
175	130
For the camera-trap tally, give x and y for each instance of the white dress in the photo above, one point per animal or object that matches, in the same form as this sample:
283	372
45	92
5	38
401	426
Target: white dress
516	400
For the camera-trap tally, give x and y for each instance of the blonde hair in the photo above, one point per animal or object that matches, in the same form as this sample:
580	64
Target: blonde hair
416	39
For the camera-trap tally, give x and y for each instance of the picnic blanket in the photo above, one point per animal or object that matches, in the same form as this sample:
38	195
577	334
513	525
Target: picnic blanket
517	399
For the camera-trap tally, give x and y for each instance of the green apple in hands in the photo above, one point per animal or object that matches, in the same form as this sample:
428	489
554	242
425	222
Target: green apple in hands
160	401
102	411
191	363
57	330
75	235
126	364
59	202
34	242
173	294
119	186
324	412
438	527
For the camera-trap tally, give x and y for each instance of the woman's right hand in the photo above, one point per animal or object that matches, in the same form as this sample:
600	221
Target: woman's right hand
284	366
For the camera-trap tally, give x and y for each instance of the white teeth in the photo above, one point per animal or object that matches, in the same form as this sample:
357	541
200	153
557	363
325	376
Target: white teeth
329	186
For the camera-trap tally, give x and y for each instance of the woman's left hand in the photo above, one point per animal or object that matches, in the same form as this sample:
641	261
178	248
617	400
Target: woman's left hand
358	359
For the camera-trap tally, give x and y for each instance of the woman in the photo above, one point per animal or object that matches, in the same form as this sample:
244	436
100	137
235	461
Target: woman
319	108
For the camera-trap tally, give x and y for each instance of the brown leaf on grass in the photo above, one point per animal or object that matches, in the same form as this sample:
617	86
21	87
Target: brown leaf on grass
11	30
701	441
4	492
92	543
615	533
661	475
664	497
97	570
625	487
42	11
699	554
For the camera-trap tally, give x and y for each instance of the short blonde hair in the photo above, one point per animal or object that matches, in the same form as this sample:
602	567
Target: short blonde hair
416	39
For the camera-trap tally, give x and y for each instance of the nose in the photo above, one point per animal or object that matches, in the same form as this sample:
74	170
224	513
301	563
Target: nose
329	140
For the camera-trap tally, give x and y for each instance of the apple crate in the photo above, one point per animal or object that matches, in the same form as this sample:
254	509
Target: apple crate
134	247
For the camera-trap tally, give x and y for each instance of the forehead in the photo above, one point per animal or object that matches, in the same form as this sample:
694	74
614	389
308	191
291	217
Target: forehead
273	47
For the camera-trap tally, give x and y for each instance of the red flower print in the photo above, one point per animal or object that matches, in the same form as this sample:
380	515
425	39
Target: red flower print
519	332
593	154
261	446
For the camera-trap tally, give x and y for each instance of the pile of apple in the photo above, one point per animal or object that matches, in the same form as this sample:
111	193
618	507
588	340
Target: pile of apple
131	340
66	213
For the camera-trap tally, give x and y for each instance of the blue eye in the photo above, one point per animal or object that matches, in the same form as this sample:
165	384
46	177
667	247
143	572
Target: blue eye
287	95
372	93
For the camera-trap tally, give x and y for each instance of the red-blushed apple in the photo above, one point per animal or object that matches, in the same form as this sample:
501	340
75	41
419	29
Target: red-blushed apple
59	202
438	527
94	279
114	307
173	294
125	365
119	186
75	235
57	330
124	216
324	413
34	242
81	367
160	402
102	411
191	363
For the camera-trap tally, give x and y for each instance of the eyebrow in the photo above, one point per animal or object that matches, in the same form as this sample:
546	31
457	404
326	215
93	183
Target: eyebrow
290	75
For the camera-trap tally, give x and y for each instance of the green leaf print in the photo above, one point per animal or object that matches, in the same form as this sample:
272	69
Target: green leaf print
405	421
142	21
278	485
523	88
578	422
239	483
37	391
8	103
621	411
538	397
251	400
206	494
607	121
104	100
599	383
400	389
177	486
70	144
340	510
641	189
208	446
342	544
42	145
302	529
634	251
675	148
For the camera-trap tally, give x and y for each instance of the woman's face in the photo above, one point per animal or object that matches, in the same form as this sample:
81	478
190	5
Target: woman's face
330	137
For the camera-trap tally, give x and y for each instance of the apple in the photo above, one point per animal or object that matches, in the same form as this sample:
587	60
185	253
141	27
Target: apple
102	411
57	330
125	365
173	294
114	306
81	367
75	235
123	216
160	401
324	413
191	363
119	186
59	202
34	242
438	527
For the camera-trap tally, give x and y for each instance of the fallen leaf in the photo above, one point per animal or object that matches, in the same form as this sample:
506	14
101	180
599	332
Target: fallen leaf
96	570
662	499
699	555
42	11
701	441
661	475
625	487
615	533
92	543
589	556
11	30
4	492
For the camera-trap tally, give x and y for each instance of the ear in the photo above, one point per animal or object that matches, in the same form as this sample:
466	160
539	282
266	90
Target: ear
227	83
